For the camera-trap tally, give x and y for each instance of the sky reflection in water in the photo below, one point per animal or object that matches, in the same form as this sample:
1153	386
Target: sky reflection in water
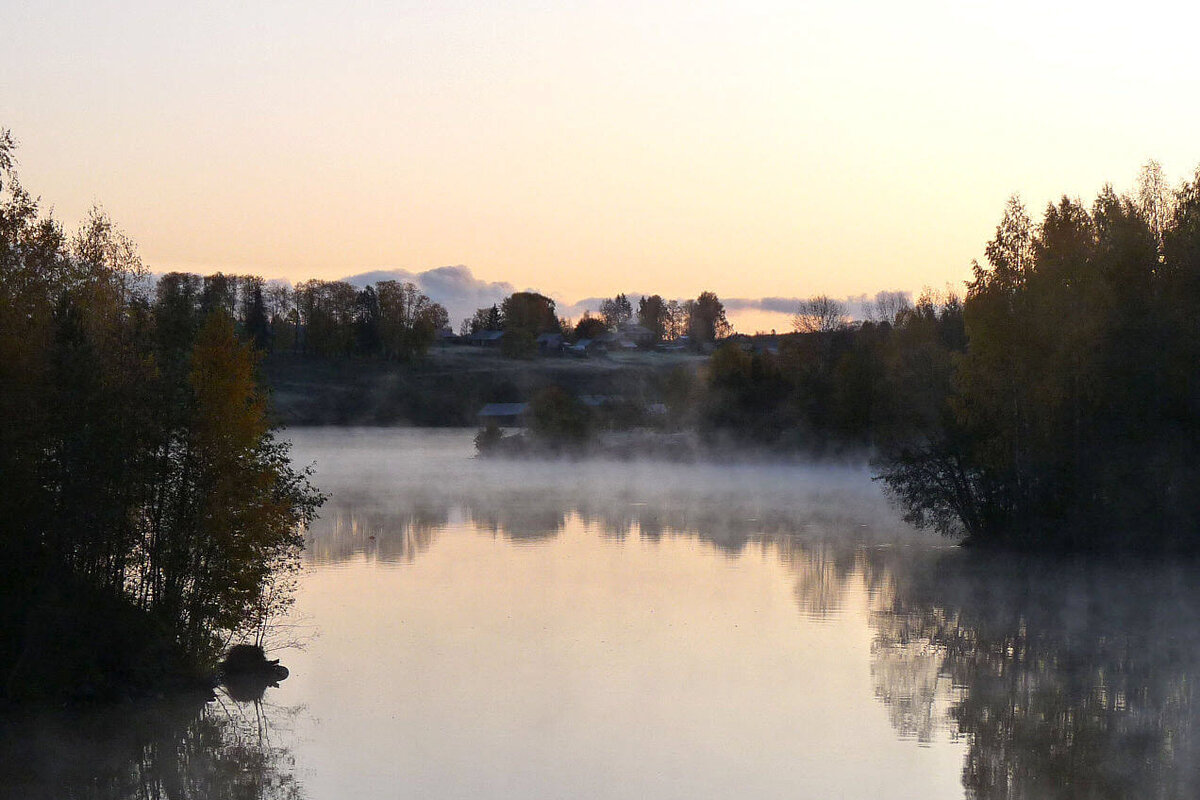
646	630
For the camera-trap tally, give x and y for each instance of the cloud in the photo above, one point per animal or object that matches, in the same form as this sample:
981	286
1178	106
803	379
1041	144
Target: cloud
592	304
779	305
858	307
455	287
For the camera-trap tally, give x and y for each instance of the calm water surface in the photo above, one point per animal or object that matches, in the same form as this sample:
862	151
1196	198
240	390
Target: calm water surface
483	629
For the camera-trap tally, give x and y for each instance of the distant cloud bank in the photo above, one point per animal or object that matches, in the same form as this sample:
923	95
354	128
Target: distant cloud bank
858	307
454	287
457	288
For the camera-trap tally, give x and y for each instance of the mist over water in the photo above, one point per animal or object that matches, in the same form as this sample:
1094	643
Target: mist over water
489	628
391	490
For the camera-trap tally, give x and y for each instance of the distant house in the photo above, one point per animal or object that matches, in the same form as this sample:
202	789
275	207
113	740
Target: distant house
505	415
630	334
586	348
616	341
767	344
550	343
676	345
598	400
758	343
487	338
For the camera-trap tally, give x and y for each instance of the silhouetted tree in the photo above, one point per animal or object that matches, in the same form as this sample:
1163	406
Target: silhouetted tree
529	311
1154	199
589	327
676	320
887	306
485	319
326	311
409	320
526	315
367	321
820	314
257	325
616	311
706	319
653	316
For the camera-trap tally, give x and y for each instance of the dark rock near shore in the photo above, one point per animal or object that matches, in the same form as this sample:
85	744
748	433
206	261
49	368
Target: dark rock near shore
246	672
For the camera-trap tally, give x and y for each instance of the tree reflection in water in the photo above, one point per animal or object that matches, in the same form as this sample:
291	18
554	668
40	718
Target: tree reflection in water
356	524
1066	678
1070	679
167	750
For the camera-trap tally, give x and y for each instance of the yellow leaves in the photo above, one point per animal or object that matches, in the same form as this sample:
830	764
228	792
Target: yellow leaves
230	412
247	503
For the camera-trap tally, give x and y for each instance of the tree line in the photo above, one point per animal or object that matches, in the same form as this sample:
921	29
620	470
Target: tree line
1073	418
394	320
390	319
832	385
1055	406
523	316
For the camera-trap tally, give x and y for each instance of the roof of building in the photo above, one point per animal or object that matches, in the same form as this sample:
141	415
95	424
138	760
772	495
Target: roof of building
634	329
503	409
596	400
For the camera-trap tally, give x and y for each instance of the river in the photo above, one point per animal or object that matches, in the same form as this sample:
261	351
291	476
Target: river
469	628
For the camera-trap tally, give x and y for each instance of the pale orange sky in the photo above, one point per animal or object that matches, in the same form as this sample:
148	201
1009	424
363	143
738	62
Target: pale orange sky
765	149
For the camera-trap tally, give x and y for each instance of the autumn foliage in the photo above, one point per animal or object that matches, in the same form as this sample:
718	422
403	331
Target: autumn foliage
149	513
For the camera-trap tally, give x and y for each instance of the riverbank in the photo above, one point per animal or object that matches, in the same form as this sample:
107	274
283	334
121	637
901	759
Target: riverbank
67	642
64	642
451	384
686	446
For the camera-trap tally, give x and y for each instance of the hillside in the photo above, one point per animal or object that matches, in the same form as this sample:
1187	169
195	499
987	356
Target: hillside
451	384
